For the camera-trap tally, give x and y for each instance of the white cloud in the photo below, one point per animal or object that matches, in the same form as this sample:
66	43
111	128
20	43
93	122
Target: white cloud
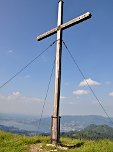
10	51
16	93
63	97
18	103
111	94
18	97
90	82
13	96
80	92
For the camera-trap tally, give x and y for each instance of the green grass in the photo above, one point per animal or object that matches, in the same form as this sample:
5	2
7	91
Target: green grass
18	143
89	145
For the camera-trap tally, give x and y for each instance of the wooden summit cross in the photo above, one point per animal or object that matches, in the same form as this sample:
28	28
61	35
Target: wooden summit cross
55	123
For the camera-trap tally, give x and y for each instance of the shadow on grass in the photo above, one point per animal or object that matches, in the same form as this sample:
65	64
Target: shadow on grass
78	145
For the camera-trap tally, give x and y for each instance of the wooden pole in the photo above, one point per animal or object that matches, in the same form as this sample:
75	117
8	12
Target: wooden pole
55	129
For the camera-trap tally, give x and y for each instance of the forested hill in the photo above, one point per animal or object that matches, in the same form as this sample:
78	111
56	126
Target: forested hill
94	132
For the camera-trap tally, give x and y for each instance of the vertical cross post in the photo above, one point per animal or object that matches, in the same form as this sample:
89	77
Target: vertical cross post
55	122
55	128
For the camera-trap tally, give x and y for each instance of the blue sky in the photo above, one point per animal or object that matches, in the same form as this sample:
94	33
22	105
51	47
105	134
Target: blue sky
90	42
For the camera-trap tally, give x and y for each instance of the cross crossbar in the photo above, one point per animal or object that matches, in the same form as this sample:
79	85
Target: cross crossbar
65	25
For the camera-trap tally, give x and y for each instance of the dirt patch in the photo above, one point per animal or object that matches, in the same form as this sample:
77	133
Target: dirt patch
35	148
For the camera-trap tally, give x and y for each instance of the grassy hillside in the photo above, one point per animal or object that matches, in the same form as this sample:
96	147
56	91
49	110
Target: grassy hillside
16	143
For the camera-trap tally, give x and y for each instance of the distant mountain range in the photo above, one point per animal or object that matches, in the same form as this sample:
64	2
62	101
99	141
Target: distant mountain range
73	123
29	124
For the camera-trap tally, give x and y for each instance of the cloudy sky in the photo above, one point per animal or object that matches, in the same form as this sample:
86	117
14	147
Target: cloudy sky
90	43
